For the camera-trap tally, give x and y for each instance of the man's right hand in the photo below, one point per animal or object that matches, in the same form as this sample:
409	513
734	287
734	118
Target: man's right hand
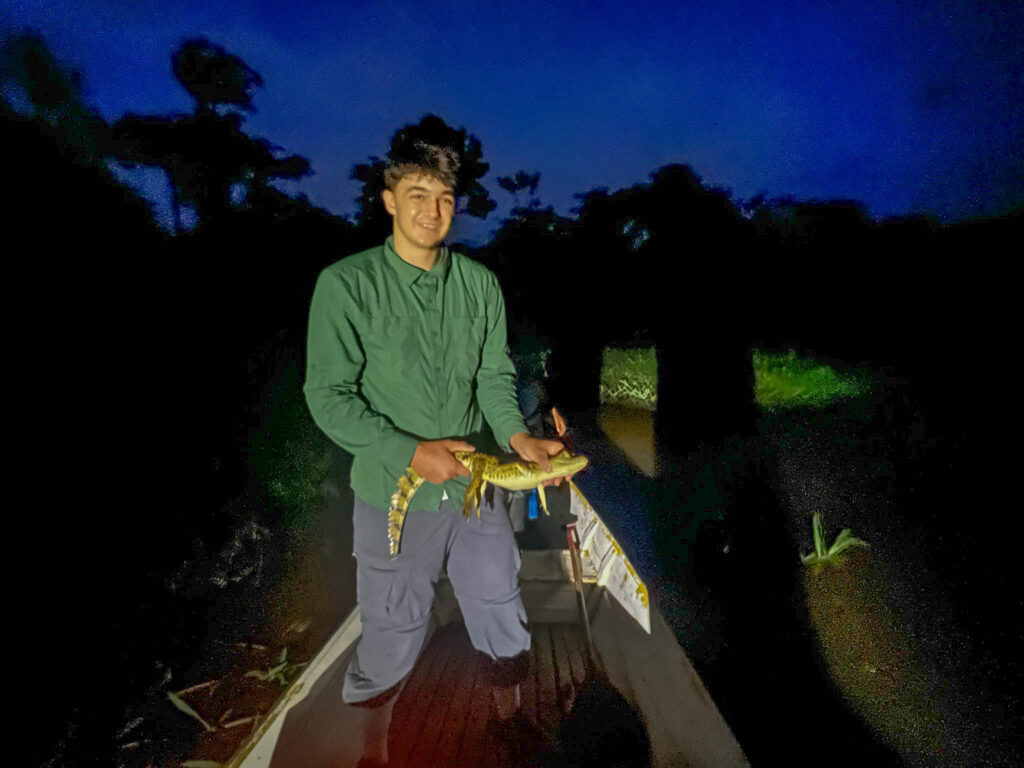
433	460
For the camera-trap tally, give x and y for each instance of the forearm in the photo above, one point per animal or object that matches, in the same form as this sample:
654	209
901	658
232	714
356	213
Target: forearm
350	422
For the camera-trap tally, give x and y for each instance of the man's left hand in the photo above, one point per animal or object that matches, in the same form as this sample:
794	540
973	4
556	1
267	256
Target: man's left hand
539	452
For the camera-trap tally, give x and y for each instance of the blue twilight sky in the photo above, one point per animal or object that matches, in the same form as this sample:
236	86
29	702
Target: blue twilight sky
909	107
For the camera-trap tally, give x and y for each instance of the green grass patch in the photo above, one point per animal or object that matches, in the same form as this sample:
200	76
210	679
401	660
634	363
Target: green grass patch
788	381
629	377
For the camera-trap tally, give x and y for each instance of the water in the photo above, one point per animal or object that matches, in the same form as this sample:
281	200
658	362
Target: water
720	546
134	595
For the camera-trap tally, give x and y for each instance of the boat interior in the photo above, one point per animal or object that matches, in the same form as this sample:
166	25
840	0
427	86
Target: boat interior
628	693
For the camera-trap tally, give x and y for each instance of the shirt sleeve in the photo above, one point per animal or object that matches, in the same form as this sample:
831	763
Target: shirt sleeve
495	379
334	362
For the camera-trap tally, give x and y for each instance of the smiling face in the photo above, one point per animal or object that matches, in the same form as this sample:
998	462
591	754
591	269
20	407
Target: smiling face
422	208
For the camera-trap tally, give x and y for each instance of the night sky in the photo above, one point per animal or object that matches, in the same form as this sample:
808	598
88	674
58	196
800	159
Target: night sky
914	107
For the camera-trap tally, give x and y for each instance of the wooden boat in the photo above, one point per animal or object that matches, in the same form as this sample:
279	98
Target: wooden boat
634	665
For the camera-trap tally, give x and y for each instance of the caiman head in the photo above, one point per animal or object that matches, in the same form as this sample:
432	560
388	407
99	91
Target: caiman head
564	463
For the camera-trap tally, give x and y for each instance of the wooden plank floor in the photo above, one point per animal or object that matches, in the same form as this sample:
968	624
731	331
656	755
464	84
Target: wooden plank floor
443	717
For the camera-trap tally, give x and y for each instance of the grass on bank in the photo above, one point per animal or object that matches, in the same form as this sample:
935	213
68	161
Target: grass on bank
788	381
629	377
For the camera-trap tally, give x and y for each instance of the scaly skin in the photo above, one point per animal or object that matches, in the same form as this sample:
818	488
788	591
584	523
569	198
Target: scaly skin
516	476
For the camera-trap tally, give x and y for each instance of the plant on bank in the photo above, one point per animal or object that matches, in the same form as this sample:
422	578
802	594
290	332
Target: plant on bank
280	672
823	554
182	705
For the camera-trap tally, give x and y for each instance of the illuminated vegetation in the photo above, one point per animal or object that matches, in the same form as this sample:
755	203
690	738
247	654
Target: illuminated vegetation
629	377
788	381
824	554
283	672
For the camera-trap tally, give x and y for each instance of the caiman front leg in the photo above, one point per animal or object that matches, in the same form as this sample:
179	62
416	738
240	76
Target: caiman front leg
543	500
474	495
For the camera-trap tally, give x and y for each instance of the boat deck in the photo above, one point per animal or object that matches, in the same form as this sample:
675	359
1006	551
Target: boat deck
650	705
443	715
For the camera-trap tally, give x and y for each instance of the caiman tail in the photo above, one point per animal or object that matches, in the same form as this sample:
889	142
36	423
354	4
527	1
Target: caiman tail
408	484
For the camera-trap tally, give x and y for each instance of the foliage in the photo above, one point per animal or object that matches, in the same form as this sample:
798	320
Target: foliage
207	153
34	84
213	77
630	377
823	554
181	704
521	182
529	246
280	672
788	381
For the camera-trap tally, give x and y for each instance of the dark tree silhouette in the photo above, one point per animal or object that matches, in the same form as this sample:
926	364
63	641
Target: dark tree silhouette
213	77
473	198
521	181
207	155
50	94
703	323
670	261
530	253
72	231
58	171
204	158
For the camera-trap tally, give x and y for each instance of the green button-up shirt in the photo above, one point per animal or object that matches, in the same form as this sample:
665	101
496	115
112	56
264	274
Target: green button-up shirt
397	354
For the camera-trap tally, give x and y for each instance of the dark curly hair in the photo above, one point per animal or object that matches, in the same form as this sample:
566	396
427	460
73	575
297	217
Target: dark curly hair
419	157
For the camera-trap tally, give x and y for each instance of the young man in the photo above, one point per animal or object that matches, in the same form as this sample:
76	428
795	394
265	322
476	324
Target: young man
408	362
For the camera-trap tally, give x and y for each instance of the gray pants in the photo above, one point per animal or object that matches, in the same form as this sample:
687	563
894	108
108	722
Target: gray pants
395	596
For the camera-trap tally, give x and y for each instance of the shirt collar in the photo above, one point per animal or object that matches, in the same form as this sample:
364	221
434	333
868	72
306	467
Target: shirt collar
408	273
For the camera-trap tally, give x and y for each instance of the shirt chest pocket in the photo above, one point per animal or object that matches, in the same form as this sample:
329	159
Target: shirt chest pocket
467	343
391	342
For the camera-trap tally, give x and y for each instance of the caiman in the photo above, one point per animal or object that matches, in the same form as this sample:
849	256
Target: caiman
515	476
